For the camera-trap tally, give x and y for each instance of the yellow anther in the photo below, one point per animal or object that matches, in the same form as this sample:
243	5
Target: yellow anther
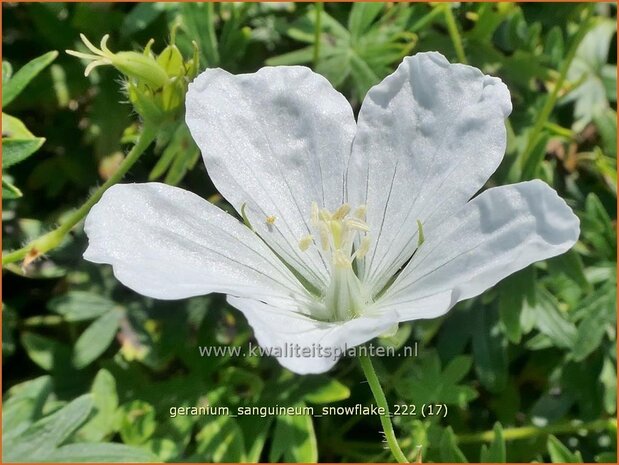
271	219
305	242
357	224
364	247
360	212
341	212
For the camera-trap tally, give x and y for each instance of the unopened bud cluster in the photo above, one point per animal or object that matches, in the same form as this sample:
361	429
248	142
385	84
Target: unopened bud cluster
156	85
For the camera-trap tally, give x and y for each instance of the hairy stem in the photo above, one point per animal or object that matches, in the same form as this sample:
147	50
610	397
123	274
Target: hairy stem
381	401
452	27
532	431
317	27
52	239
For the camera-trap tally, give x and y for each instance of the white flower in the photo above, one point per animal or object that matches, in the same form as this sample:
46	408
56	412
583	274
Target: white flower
356	226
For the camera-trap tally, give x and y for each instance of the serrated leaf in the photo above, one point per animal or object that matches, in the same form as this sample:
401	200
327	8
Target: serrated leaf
26	73
95	339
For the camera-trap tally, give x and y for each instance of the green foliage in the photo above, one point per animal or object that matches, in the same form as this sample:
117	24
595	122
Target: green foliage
527	371
18	143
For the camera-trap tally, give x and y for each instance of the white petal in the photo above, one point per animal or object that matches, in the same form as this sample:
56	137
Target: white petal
292	333
499	232
168	243
430	135
275	140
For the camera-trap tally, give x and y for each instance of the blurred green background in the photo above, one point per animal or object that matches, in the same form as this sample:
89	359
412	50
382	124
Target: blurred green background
90	369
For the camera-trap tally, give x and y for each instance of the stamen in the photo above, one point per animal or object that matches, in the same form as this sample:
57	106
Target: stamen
341	212
344	297
355	223
305	242
315	212
363	249
360	212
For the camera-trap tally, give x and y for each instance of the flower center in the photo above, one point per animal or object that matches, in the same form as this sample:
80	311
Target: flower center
343	240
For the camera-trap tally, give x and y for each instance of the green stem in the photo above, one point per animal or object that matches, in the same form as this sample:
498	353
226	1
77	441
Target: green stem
317	26
533	431
381	401
425	20
554	95
53	238
452	28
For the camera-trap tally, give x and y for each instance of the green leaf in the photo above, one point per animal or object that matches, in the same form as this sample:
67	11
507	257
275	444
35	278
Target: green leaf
514	291
43	436
23	405
221	440
559	453
591	74
9	191
571	264
7	72
361	17
423	382
551	322
26	73
17	150
140	17
294	439
14	128
137	422
80	305
449	451
97	453
48	353
96	339
105	399
199	21
495	453
255	432
489	350
326	392
296	57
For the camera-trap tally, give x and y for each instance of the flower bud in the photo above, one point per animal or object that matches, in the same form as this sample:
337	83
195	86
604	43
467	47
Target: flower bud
156	86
